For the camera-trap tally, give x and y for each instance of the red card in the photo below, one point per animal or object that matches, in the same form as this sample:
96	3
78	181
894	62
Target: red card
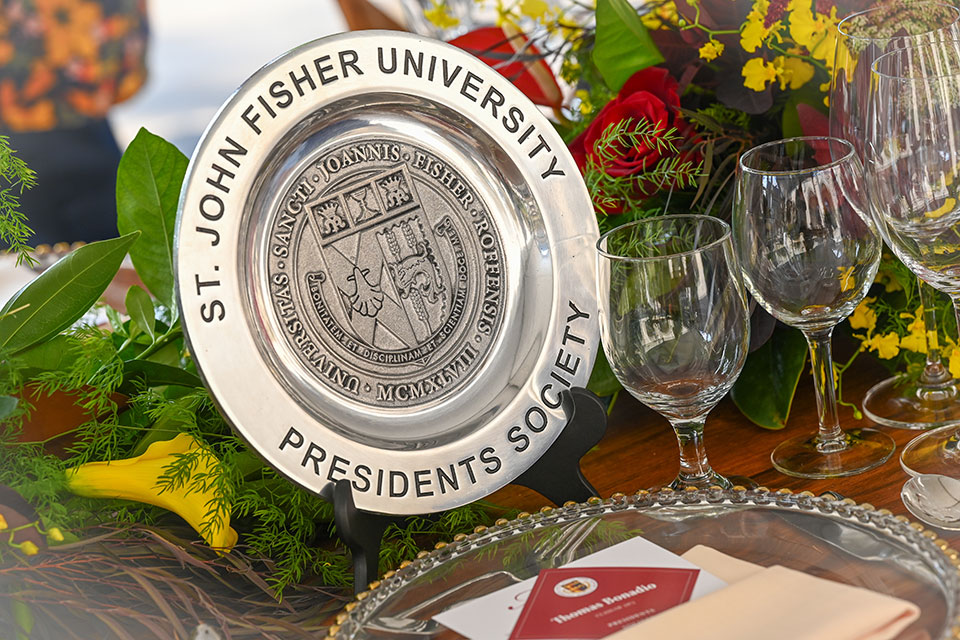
585	603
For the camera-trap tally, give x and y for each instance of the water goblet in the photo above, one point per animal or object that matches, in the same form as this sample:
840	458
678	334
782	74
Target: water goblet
674	324
809	253
903	401
912	163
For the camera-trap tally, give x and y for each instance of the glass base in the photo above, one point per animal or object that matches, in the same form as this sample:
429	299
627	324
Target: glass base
864	449
936	451
901	403
713	479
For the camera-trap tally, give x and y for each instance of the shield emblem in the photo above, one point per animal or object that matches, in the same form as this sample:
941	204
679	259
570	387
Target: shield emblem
384	282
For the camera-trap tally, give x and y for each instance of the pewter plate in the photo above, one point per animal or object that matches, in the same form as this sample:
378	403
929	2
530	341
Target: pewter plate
385	271
828	538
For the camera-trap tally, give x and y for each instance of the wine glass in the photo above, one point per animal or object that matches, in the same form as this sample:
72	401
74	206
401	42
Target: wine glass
674	324
902	401
912	160
809	253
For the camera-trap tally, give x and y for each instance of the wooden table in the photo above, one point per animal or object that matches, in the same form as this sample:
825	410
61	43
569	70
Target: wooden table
639	450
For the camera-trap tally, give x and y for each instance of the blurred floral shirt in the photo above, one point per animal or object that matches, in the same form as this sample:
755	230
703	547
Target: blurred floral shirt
64	63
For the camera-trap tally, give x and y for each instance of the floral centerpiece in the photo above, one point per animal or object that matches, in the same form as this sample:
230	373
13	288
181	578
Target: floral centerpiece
144	490
662	99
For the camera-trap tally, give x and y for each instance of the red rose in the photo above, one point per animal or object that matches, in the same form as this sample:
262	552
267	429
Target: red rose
649	95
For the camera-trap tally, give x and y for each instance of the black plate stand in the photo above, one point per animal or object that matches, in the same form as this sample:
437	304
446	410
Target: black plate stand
556	475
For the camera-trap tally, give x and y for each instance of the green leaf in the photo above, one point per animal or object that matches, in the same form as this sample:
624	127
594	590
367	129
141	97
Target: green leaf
55	354
164	429
148	187
59	296
764	391
140	309
8	404
154	374
116	322
24	618
790	121
623	46
169	354
602	380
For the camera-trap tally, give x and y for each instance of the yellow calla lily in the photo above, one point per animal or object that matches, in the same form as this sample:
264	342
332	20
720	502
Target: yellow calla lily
137	479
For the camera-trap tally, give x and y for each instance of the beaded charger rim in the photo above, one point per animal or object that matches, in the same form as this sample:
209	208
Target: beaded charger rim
925	541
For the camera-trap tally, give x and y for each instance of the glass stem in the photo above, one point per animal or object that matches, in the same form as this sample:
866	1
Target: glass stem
694	467
830	437
956	307
934	373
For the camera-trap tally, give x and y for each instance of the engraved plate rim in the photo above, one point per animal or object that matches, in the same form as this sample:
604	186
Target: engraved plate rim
255	405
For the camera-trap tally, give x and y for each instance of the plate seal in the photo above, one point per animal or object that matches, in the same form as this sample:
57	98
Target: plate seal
404	292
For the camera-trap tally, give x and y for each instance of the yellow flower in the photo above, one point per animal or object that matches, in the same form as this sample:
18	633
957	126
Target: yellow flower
847	281
947	178
953	362
536	9
753	34
138	479
887	346
54	533
661	17
29	548
943	249
505	14
914	342
817	32
3	522
887	278
585	107
440	16
711	50
916	339
917	326
863	317
757	72
948	205
845	60
793	72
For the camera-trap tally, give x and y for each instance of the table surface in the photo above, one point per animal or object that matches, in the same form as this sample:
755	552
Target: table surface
639	450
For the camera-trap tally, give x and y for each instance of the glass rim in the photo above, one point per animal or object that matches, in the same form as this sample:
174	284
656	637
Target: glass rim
922	45
845	22
724	227
851	152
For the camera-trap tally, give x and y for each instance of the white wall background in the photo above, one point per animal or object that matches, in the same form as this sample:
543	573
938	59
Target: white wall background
201	50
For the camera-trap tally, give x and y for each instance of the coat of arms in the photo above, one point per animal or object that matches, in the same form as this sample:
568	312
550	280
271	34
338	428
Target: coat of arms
385	283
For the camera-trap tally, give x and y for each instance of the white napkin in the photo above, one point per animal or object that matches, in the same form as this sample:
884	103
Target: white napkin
776	602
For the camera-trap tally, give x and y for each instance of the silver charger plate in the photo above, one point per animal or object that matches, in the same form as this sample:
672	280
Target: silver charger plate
833	539
385	268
